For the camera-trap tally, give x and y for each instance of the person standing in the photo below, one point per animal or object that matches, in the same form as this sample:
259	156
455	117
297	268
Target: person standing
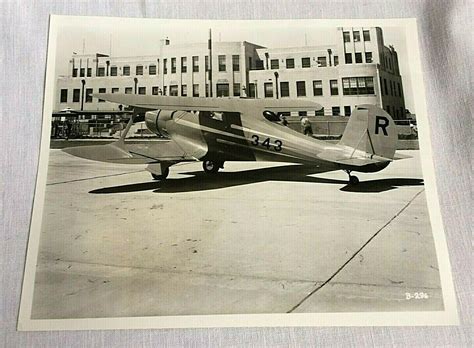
306	125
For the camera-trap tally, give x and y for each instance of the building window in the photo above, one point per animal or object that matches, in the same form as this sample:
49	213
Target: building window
334	87
101	71
347	36
336	60
252	90
141	90
174	90
184	90
206	63
173	66
290	63
152	69
221	61
358	85
366	34
195	90
113	71
361	85
89	72
356	36
82	72
236	62
284	89
126	70
300	89
115	90
184	64
250	62
274	64
76	94
259	64
195	64
165	90
74	72
236	90
155	90
348	57
89	92
102	90
336	111
391	88
385	86
207	90
369	82
317	87
358	57
322	62
63	98
347	110
222	90
268	89
305	62
319	112
128	90
368	57
165	66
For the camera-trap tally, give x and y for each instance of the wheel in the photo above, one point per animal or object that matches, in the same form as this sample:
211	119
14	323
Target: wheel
162	176
211	167
353	180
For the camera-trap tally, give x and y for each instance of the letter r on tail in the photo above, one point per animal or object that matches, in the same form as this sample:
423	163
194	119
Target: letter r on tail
381	122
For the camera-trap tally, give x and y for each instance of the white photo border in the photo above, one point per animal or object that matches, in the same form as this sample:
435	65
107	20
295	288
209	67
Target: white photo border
449	316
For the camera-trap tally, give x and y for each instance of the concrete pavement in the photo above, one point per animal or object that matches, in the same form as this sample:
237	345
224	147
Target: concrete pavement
255	238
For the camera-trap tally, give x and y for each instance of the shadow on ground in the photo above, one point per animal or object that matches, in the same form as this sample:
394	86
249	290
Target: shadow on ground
200	181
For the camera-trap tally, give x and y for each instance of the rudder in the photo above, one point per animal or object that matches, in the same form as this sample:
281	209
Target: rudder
372	130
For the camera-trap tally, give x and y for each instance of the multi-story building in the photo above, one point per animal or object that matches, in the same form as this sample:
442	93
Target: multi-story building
357	69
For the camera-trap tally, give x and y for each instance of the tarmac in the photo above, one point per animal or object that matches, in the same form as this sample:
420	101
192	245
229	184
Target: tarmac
254	238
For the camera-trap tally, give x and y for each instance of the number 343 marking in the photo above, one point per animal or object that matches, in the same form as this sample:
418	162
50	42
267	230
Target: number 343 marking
276	146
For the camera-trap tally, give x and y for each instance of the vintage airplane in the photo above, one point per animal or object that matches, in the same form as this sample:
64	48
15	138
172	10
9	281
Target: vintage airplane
216	130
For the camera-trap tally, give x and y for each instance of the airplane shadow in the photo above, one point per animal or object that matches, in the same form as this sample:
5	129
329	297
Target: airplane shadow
200	181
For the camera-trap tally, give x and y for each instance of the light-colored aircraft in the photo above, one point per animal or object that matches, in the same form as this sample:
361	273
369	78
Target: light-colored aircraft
216	130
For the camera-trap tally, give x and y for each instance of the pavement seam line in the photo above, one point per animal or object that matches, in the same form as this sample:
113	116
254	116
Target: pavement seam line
94	177
355	254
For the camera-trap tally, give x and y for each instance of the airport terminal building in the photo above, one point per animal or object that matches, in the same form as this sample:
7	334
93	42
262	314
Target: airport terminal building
357	69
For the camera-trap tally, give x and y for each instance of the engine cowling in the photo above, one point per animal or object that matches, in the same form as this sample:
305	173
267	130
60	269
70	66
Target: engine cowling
156	121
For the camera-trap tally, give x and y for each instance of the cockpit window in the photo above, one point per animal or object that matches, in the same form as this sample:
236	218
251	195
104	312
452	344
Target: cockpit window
271	116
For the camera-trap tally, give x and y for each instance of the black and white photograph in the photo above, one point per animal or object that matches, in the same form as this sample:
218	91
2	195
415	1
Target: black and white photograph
198	173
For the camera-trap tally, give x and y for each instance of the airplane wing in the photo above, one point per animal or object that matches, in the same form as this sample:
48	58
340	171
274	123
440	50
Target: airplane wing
154	102
125	153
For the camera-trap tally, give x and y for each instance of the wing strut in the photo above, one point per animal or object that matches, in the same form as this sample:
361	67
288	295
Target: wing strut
126	130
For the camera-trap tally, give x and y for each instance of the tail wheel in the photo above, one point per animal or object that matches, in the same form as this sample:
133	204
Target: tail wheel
211	167
163	175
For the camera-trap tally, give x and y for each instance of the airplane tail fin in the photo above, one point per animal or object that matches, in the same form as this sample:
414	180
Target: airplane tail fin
371	129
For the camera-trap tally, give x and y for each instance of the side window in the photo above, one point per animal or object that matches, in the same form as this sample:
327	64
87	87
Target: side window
271	116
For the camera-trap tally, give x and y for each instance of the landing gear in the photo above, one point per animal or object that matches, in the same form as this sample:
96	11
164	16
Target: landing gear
163	175
353	180
212	167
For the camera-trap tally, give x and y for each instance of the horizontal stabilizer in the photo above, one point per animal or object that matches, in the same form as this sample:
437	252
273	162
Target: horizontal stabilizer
343	157
399	156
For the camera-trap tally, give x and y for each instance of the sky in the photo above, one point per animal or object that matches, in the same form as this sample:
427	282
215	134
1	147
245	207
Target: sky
139	36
